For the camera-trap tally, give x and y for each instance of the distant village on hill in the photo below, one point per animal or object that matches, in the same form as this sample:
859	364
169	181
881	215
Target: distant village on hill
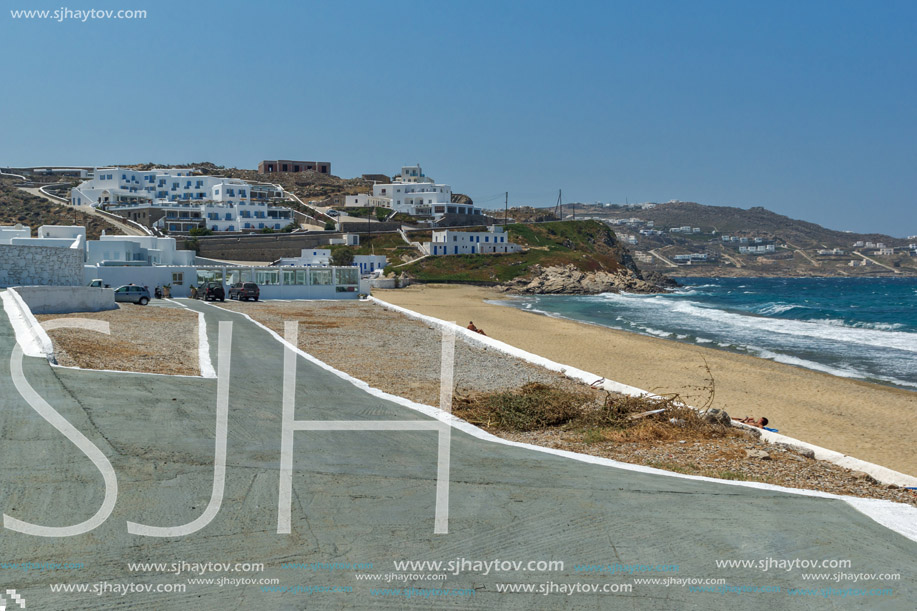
291	212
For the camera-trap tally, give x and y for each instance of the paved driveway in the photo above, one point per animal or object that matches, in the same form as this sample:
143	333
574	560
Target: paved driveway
368	498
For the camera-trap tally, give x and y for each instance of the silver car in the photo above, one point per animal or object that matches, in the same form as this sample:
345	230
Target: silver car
133	294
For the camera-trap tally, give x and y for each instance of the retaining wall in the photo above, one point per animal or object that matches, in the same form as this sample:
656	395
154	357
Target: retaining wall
63	300
22	265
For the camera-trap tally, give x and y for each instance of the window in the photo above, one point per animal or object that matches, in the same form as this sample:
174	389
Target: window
209	275
178	278
348	275
268	277
320	277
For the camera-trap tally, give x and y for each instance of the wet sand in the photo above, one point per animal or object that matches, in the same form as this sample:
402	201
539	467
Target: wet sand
870	422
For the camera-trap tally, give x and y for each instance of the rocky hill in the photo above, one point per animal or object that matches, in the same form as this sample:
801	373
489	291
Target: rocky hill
558	257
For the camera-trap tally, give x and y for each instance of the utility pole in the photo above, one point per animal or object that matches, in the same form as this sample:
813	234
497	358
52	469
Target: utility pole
505	209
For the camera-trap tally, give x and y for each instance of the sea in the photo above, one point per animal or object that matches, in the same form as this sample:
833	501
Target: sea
860	328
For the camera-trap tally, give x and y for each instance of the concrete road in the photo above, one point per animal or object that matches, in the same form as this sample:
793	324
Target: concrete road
124	228
369	498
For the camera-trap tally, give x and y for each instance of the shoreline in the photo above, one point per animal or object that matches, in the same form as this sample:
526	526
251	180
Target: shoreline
850	416
510	297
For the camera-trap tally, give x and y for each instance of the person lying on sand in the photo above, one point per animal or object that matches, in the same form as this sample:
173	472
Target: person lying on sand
759	422
471	327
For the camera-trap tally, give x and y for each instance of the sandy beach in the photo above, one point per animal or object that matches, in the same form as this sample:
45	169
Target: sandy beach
867	421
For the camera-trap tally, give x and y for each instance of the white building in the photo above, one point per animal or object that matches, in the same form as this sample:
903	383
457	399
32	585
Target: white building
136	250
412	192
8	232
690	258
182	199
321	257
757	250
308	257
470	242
57	236
370	264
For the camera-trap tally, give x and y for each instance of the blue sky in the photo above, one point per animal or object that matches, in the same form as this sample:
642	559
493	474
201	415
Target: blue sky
807	109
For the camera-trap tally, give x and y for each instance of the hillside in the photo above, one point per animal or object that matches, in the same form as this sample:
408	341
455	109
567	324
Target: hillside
727	219
17	206
590	246
717	236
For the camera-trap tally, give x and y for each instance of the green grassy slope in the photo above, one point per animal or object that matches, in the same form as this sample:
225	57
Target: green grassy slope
589	245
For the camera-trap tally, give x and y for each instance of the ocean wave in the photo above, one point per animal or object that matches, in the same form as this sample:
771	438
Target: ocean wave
877	326
772	309
656	332
788	359
898	340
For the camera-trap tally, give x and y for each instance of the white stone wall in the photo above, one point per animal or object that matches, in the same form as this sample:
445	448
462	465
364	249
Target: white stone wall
63	300
40	265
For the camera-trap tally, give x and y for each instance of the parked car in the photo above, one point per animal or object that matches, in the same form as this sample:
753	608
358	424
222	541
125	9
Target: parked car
333	212
132	293
244	290
99	284
214	291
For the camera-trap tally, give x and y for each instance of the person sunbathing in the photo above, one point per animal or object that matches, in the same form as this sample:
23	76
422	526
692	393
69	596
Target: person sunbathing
471	327
759	422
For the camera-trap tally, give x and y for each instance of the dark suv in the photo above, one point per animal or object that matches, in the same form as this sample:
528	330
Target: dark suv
214	291
244	290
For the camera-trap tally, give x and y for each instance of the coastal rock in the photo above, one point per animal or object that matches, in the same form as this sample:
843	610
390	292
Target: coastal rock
569	280
865	477
717	416
804	452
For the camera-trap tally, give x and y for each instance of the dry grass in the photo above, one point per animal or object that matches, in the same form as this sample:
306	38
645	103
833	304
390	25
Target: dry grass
598	415
143	339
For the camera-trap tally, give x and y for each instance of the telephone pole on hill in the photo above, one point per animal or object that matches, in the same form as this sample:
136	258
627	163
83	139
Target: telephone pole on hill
505	209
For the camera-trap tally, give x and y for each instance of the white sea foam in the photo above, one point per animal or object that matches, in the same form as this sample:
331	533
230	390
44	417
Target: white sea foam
898	340
772	309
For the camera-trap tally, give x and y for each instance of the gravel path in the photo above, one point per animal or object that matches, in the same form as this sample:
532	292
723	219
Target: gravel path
392	352
146	339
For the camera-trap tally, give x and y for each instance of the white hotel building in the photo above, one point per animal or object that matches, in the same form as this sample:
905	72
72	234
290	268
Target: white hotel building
414	193
176	199
492	241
